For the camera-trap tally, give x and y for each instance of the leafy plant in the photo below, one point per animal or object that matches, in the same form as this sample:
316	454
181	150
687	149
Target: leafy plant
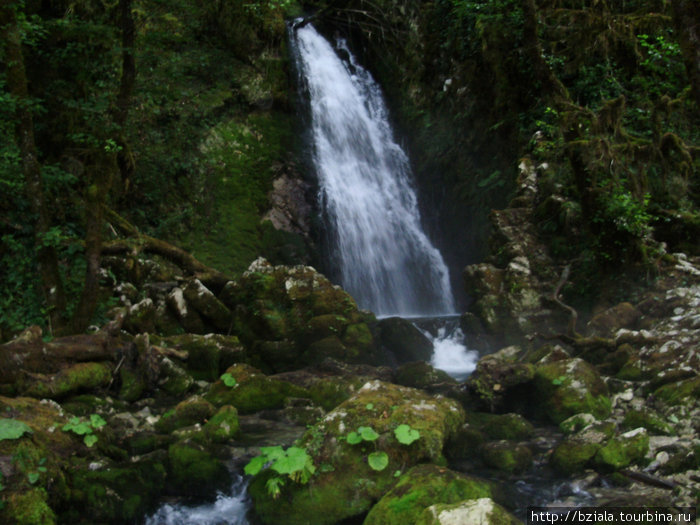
362	434
294	462
228	380
406	435
378	460
85	428
13	429
558	380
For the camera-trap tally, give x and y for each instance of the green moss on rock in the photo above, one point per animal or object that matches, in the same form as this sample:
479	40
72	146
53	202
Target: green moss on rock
623	450
29	508
421	487
679	392
188	412
223	426
76	378
344	484
508	426
568	387
193	471
253	391
507	456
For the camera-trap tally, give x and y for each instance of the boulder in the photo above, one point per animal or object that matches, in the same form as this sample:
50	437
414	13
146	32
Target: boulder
205	302
294	317
500	379
483	511
253	391
570	386
606	323
507	456
405	342
421	487
358	453
623	450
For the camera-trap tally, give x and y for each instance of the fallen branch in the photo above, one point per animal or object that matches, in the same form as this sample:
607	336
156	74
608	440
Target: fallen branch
141	243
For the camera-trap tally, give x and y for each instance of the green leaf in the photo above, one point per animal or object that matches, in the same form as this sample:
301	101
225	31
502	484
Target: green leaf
273	486
90	440
272	453
96	421
369	406
294	460
397	473
228	379
367	433
13	429
255	465
405	434
33	477
354	438
378	460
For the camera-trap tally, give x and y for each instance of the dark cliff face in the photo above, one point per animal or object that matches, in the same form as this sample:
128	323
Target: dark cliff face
597	97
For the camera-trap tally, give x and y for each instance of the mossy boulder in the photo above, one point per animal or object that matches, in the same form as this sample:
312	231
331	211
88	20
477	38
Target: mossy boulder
173	379
116	493
28	508
576	422
507	456
207	355
294	317
679	392
76	378
466	443
570	386
577	451
192	410
329	392
421	487
223	426
193	471
420	374
345	484
508	426
253	390
483	511
501	380
405	342
206	303
623	450
647	418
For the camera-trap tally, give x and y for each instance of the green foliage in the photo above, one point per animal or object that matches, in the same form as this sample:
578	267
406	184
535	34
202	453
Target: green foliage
13	429
228	380
84	428
378	460
362	434
405	434
294	462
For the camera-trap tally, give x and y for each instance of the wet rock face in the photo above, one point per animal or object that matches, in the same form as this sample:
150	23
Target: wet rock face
511	288
290	210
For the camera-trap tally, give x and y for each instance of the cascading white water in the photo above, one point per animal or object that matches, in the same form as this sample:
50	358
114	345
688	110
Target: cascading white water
384	258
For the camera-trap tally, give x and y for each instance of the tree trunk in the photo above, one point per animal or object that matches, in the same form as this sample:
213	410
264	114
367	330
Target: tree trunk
103	175
47	257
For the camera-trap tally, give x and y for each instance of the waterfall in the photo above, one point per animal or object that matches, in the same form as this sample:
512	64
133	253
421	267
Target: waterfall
384	258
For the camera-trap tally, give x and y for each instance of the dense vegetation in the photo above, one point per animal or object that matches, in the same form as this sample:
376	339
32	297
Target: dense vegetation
598	94
175	117
178	116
